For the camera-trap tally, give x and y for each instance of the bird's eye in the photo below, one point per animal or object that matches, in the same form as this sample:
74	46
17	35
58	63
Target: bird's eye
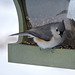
57	30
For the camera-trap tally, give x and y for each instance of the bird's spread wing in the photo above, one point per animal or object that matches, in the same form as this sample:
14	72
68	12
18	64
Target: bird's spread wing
41	32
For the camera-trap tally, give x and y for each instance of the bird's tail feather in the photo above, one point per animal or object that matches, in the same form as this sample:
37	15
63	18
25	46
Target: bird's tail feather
22	34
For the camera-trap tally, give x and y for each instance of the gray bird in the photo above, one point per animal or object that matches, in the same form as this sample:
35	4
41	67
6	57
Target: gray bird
46	36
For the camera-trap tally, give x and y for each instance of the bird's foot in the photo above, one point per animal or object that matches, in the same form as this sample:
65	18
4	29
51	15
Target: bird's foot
40	49
52	50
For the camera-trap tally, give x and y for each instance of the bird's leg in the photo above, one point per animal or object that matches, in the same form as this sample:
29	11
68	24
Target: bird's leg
52	49
40	48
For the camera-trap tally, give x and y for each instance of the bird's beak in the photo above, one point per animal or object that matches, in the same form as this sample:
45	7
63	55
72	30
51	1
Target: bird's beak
61	33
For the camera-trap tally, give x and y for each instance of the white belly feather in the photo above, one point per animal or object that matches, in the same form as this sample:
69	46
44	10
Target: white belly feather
48	44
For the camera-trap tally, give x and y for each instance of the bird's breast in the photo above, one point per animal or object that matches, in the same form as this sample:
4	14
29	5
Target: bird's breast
47	44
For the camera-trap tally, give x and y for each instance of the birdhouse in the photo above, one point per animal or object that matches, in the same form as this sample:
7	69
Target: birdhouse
34	13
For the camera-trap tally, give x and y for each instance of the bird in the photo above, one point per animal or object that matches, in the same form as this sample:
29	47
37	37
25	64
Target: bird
46	36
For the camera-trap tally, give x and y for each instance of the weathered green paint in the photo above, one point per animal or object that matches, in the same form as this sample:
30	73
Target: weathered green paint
20	18
25	54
